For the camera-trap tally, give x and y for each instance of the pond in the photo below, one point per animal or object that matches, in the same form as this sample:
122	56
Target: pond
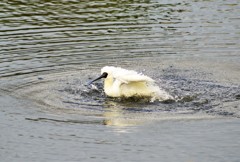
49	50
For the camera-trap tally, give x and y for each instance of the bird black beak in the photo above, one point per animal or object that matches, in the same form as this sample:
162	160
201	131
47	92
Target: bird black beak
104	75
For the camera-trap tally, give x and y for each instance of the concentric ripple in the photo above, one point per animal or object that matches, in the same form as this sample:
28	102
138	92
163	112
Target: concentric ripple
66	92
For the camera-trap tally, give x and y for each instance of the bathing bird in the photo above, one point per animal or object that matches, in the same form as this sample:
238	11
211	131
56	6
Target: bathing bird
119	82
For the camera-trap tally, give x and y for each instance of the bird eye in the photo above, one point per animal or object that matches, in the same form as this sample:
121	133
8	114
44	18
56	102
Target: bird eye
104	75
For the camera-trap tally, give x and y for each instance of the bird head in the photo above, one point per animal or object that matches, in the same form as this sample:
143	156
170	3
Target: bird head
106	72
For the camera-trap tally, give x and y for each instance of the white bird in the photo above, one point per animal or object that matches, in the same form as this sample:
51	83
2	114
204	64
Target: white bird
120	82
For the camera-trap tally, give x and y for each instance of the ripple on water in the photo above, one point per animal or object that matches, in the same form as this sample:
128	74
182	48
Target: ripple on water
66	93
49	50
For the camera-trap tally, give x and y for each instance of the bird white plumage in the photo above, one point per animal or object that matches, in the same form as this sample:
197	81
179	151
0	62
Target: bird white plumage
120	82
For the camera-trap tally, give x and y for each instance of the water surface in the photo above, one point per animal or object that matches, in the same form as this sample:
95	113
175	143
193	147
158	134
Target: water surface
49	50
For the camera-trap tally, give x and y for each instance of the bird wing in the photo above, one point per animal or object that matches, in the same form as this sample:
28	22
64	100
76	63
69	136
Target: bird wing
133	78
126	76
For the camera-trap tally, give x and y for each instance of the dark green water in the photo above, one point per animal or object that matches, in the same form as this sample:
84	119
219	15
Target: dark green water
50	49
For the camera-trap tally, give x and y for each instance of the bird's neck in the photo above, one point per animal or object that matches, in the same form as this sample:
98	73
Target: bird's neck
108	83
111	87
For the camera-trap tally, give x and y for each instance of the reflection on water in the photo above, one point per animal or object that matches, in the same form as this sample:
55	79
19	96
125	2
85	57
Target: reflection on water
115	115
